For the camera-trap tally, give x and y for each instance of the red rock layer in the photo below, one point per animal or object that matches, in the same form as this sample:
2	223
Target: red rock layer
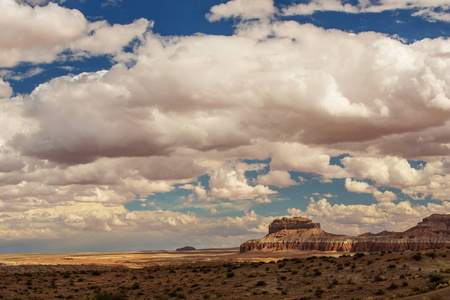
348	245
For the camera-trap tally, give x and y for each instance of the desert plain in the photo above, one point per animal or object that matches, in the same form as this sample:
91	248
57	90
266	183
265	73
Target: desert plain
226	274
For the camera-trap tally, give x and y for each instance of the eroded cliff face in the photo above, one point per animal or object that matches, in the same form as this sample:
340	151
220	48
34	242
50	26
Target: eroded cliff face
347	245
300	234
436	226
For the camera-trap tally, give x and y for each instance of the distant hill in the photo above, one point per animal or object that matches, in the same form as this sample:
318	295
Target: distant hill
186	248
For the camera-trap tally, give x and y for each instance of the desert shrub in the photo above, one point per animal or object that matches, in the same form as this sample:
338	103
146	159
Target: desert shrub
318	292
283	277
317	273
230	274
435	278
358	255
104	295
431	254
405	283
369	262
379	292
96	273
173	294
393	286
136	286
261	283
391	266
417	256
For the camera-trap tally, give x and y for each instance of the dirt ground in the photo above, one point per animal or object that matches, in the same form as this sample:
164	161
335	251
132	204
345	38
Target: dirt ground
226	275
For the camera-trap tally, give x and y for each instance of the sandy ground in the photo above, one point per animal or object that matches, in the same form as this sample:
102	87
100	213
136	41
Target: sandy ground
140	259
226	274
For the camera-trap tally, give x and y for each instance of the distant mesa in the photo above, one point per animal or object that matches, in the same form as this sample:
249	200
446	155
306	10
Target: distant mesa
302	234
186	248
292	224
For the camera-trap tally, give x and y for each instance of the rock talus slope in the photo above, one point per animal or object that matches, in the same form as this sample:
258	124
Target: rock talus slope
302	234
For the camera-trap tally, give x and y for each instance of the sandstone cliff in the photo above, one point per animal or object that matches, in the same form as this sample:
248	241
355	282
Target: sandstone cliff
301	234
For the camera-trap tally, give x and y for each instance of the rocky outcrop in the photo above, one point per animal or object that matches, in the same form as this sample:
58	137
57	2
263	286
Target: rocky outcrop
291	224
435	226
301	234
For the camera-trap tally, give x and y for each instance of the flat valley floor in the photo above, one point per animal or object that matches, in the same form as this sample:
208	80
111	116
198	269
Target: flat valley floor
226	274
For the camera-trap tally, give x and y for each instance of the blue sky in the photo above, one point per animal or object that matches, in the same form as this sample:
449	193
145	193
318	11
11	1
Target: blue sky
200	121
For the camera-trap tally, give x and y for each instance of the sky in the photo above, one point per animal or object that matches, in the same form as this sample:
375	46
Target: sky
147	125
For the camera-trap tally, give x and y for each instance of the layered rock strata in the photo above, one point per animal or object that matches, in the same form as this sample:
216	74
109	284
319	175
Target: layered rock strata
291	224
301	234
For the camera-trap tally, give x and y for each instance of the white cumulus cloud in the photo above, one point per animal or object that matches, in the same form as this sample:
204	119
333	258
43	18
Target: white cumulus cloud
38	34
277	178
431	10
243	9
